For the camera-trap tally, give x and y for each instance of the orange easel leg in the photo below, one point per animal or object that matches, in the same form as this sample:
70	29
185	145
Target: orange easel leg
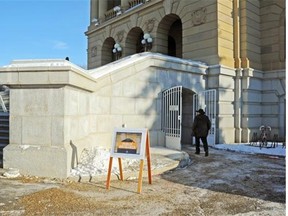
140	176
120	169
109	173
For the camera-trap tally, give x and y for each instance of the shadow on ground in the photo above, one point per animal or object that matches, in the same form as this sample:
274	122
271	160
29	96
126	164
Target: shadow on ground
255	176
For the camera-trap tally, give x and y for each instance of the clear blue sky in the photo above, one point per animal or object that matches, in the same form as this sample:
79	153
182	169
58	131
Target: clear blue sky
44	29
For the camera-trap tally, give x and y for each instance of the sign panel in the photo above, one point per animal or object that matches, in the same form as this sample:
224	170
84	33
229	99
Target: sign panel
129	143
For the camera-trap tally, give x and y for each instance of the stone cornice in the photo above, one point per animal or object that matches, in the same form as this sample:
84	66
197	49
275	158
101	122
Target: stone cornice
46	73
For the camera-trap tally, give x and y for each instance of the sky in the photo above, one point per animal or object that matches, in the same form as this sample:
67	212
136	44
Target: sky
44	29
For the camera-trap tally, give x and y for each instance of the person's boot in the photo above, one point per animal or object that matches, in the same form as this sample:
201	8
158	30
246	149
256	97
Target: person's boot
197	152
206	154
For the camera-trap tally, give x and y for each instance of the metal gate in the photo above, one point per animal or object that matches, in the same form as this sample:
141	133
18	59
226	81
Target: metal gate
206	100
172	116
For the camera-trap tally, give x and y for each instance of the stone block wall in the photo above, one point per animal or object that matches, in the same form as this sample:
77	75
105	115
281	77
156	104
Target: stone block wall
52	120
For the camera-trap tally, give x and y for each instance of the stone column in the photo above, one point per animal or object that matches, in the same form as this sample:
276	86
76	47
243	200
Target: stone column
102	9
94	11
238	105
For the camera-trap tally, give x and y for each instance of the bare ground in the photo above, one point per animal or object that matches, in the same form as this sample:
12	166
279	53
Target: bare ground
225	183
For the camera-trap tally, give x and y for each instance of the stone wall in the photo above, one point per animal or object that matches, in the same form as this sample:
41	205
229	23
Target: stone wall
58	109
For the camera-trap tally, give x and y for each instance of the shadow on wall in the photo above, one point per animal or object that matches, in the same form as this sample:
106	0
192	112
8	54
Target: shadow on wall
168	77
74	158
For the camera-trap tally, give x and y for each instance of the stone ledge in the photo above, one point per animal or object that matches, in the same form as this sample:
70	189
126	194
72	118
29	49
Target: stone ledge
50	74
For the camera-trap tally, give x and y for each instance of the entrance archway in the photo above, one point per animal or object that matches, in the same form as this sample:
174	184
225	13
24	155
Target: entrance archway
177	116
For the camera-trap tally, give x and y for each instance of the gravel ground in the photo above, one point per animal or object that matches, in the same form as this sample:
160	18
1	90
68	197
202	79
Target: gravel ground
225	183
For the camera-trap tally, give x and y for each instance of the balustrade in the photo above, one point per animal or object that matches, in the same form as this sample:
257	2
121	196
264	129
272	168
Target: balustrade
116	11
134	3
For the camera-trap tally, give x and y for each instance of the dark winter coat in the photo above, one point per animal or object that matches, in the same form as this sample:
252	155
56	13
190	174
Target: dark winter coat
201	126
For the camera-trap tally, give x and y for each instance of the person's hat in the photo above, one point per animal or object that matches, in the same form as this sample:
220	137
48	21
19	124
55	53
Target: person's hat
201	111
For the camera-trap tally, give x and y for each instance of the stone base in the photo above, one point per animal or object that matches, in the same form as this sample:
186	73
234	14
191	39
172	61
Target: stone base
37	161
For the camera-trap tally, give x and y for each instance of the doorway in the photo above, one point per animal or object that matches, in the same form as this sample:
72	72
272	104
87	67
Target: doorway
177	116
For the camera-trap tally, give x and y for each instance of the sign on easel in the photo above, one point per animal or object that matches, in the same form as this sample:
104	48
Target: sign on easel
133	143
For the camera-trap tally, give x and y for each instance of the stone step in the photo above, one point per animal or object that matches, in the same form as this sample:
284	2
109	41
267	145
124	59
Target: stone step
4	139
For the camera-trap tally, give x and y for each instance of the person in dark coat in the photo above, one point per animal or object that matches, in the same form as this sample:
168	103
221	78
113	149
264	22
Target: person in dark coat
200	128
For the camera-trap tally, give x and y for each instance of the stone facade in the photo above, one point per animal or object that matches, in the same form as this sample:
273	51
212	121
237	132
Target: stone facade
242	41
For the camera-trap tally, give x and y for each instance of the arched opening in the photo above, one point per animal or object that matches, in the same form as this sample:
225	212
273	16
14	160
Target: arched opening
107	54
171	46
133	42
112	3
169	36
187	116
177	116
175	33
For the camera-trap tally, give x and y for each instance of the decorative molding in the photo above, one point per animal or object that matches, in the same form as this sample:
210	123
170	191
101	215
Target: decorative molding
199	16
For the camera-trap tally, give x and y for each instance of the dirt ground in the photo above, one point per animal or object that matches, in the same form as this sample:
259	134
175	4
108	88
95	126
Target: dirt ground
225	183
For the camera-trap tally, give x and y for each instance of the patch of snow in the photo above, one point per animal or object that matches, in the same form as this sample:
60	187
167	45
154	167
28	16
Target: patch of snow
11	173
95	161
24	147
278	151
134	59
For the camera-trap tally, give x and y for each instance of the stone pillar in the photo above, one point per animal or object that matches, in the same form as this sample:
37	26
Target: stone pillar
94	10
102	9
238	106
44	101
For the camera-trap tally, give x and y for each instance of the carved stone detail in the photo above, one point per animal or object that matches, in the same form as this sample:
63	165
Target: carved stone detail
120	36
199	16
150	25
94	51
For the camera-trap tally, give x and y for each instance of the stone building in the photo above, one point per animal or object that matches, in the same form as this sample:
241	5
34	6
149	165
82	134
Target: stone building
241	41
151	64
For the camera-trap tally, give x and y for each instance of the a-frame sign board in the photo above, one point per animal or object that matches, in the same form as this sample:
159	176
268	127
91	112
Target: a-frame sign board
130	143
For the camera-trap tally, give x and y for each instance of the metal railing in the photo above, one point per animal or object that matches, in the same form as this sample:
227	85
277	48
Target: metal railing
110	14
3	104
135	3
